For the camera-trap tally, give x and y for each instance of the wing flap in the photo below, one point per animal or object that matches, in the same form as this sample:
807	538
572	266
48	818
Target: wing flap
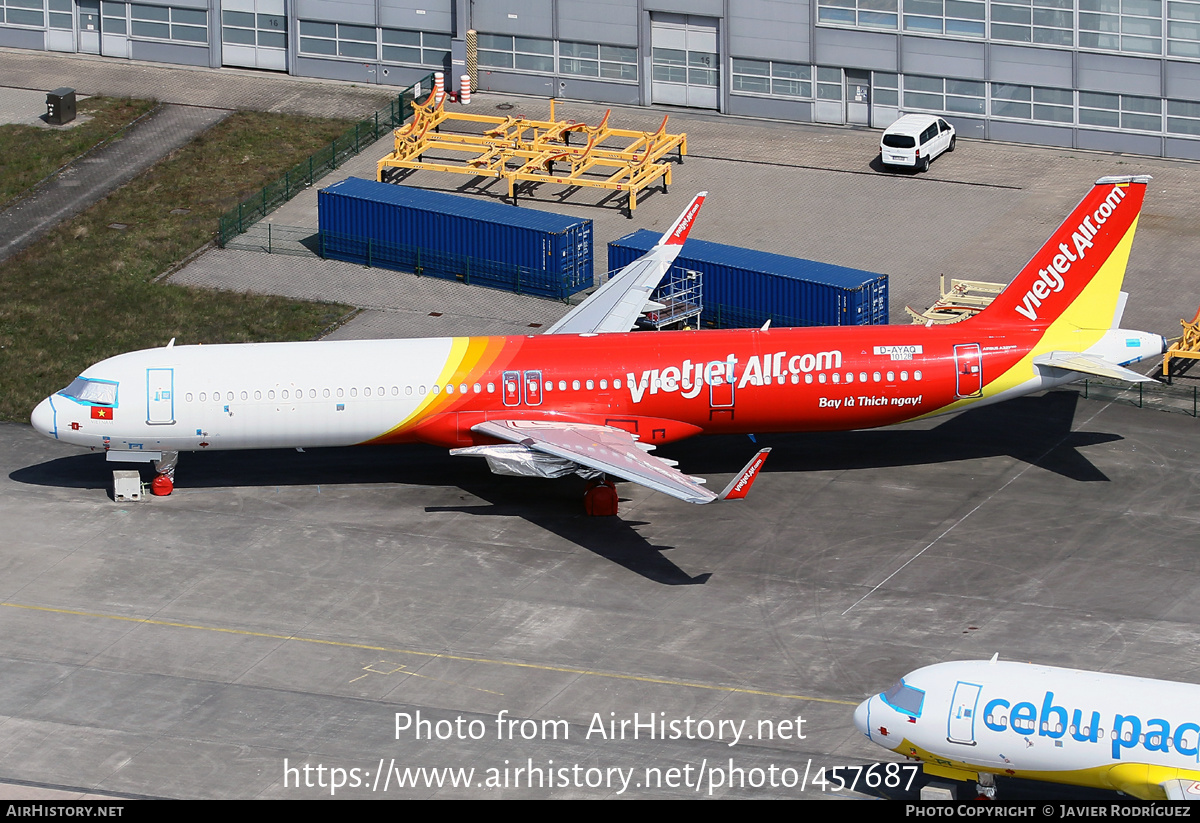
603	448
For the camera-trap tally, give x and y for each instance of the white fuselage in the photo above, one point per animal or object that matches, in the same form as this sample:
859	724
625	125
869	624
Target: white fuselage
1064	725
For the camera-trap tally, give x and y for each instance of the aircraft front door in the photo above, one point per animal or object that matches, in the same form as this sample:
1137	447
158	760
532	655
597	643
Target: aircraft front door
961	727
160	396
968	362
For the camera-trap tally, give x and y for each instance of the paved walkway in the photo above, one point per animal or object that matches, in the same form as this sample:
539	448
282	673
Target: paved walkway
99	172
223	88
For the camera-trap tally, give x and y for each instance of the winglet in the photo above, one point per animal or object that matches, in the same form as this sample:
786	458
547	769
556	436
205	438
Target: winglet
683	224
739	486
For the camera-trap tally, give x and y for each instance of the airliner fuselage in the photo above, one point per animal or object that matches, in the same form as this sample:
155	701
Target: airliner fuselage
662	386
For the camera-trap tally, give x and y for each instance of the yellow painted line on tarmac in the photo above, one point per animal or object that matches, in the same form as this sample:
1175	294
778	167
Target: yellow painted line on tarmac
432	655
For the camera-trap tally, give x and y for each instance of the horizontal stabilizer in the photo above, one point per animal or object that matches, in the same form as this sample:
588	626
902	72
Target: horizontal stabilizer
1089	364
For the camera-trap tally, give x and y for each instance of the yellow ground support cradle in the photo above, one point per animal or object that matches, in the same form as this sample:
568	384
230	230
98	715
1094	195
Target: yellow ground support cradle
1187	346
539	151
964	300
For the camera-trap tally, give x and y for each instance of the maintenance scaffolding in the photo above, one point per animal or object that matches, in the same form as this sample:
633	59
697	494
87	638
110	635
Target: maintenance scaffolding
534	151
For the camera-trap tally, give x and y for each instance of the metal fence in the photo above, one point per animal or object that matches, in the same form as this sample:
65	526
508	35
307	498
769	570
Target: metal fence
304	174
1183	399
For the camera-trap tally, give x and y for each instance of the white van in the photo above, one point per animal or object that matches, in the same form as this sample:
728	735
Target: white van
914	140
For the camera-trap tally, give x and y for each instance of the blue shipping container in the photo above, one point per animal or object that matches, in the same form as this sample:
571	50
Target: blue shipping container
743	288
455	237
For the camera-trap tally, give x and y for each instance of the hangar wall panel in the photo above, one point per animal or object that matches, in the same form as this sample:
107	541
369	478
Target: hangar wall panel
1188	149
1116	73
1183	81
860	49
169	53
1118	141
402	14
22	39
612	22
943	58
1031	133
337	11
1033	67
534	18
778	109
769	30
707	8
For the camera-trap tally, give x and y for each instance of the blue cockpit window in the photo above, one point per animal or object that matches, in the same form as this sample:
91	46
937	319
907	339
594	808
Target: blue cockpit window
91	392
904	698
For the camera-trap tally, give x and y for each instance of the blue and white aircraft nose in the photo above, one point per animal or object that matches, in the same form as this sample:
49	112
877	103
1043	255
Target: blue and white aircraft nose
862	717
42	418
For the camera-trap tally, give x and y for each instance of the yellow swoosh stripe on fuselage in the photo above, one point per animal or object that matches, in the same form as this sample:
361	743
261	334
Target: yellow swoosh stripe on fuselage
1083	324
1141	780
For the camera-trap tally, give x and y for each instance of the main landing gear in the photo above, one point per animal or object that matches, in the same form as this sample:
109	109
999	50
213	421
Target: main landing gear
600	498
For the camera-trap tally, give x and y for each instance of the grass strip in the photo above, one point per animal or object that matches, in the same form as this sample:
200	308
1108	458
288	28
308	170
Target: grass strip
85	292
28	154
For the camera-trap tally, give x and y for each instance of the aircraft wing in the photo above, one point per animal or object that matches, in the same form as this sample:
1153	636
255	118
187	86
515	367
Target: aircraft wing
1089	364
615	306
616	452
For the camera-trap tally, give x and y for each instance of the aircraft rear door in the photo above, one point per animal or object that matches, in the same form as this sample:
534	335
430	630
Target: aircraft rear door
720	391
961	726
968	362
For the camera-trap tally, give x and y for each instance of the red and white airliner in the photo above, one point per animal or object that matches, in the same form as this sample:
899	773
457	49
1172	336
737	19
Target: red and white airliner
591	398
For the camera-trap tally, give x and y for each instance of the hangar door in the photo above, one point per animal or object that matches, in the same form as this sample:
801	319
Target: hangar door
254	34
686	63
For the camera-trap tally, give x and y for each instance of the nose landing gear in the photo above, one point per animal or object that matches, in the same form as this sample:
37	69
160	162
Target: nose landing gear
164	478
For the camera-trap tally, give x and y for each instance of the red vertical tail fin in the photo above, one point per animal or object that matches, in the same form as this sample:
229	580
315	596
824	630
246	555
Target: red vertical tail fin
1077	274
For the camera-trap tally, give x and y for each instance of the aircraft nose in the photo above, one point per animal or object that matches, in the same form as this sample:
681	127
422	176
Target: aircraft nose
42	418
860	718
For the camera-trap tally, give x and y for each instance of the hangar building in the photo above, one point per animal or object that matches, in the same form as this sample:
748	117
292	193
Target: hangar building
1114	75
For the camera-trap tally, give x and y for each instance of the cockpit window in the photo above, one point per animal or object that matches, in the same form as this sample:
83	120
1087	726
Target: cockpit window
904	698
91	392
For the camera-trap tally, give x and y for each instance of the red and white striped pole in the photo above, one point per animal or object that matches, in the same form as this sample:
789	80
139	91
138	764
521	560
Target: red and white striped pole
464	89
439	88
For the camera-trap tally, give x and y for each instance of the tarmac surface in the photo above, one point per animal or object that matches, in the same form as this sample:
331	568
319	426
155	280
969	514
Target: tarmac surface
264	626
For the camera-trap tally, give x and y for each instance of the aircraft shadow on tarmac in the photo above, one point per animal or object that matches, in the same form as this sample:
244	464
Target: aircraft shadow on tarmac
1035	430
